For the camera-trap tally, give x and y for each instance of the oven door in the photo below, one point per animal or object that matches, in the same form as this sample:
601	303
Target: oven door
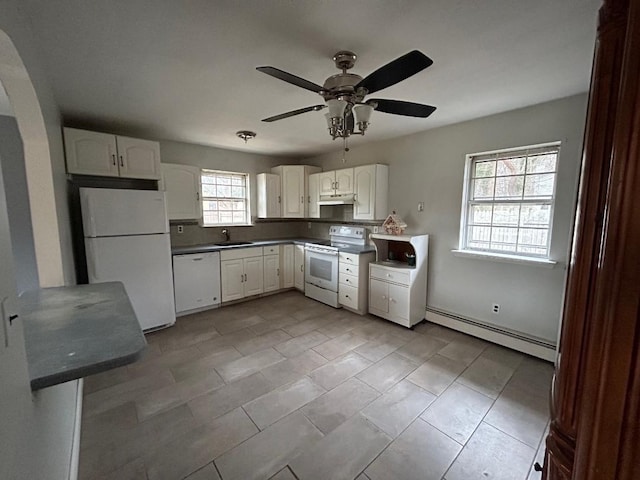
321	269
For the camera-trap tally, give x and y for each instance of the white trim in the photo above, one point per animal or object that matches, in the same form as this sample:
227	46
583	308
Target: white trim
547	353
466	192
503	258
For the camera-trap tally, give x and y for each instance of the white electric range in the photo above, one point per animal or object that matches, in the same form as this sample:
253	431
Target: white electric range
321	261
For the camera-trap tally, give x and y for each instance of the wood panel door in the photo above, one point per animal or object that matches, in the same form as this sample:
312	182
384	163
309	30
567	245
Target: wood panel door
595	405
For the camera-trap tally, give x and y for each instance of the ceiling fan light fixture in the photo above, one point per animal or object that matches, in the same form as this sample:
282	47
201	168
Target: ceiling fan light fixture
336	107
246	135
362	113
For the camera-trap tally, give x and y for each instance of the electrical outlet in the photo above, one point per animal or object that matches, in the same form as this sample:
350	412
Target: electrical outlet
421	206
180	229
495	308
376	229
309	225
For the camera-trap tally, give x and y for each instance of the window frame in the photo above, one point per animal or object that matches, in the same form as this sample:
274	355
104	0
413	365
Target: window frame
502	255
247	198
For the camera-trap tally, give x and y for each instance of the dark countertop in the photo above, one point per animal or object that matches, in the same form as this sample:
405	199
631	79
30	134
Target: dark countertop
254	243
264	243
73	332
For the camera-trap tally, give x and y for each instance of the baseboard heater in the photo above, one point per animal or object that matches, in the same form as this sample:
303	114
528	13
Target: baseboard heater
509	338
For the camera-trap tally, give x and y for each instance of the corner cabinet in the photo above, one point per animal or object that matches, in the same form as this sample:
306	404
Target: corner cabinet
271	268
268	186
294	189
298	267
371	188
103	154
398	290
182	186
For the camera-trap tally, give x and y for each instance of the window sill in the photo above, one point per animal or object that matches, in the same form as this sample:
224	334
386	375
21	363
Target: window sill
497	257
221	225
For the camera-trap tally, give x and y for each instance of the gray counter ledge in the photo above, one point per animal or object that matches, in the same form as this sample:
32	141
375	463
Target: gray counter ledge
73	332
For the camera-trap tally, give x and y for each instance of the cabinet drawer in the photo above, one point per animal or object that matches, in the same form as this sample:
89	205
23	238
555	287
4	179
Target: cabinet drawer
235	253
348	296
349	258
390	274
348	269
348	279
271	250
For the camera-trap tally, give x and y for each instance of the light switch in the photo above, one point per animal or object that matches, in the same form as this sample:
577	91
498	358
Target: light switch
421	206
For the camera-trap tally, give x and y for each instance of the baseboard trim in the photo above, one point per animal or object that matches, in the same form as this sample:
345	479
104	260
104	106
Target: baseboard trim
535	347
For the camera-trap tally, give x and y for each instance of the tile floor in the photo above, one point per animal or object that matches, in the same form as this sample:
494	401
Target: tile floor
283	387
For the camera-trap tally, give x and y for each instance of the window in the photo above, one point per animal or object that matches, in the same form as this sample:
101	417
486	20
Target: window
225	198
509	196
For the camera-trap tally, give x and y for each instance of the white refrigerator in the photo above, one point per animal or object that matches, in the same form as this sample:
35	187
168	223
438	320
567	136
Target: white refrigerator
127	239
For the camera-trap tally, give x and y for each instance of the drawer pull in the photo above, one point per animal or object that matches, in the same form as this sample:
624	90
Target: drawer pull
347	296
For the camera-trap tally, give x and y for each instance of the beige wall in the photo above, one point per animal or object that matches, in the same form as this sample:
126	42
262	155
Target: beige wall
429	167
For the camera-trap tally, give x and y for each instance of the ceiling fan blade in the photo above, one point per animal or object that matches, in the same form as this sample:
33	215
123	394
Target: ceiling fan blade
398	107
290	78
393	72
315	108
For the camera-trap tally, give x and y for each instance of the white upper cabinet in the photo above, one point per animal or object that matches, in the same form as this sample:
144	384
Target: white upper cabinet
371	188
182	185
326	182
268	185
344	181
91	153
336	182
293	189
138	158
94	153
314	195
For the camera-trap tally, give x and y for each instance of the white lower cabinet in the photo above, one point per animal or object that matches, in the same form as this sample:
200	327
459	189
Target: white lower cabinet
271	273
241	272
298	267
286	266
389	300
352	280
196	280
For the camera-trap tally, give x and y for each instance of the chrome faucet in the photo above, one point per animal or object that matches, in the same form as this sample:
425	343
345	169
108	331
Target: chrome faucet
225	232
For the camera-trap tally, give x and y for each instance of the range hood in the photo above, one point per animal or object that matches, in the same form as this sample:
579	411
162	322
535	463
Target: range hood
337	199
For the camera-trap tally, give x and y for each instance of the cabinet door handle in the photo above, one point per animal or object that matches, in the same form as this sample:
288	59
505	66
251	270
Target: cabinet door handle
302	199
309	199
347	296
121	161
301	268
113	157
337	185
245	277
197	259
278	272
198	196
279	199
241	278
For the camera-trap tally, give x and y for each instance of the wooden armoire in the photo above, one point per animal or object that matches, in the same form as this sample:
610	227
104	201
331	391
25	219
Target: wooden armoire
595	404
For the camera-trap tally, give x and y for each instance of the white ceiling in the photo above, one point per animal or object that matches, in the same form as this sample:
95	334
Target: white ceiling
185	70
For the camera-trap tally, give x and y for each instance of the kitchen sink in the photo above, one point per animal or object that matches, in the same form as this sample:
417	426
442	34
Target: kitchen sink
232	244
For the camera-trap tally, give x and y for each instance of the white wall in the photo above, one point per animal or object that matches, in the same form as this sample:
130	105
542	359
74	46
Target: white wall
39	121
15	185
429	167
35	429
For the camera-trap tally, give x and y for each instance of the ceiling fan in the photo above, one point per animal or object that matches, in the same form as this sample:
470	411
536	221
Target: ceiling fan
344	93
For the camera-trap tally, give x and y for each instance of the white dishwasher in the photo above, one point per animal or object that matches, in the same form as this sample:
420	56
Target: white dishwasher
196	279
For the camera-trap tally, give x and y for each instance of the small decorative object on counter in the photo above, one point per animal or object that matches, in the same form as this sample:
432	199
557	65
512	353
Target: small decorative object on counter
411	259
394	225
